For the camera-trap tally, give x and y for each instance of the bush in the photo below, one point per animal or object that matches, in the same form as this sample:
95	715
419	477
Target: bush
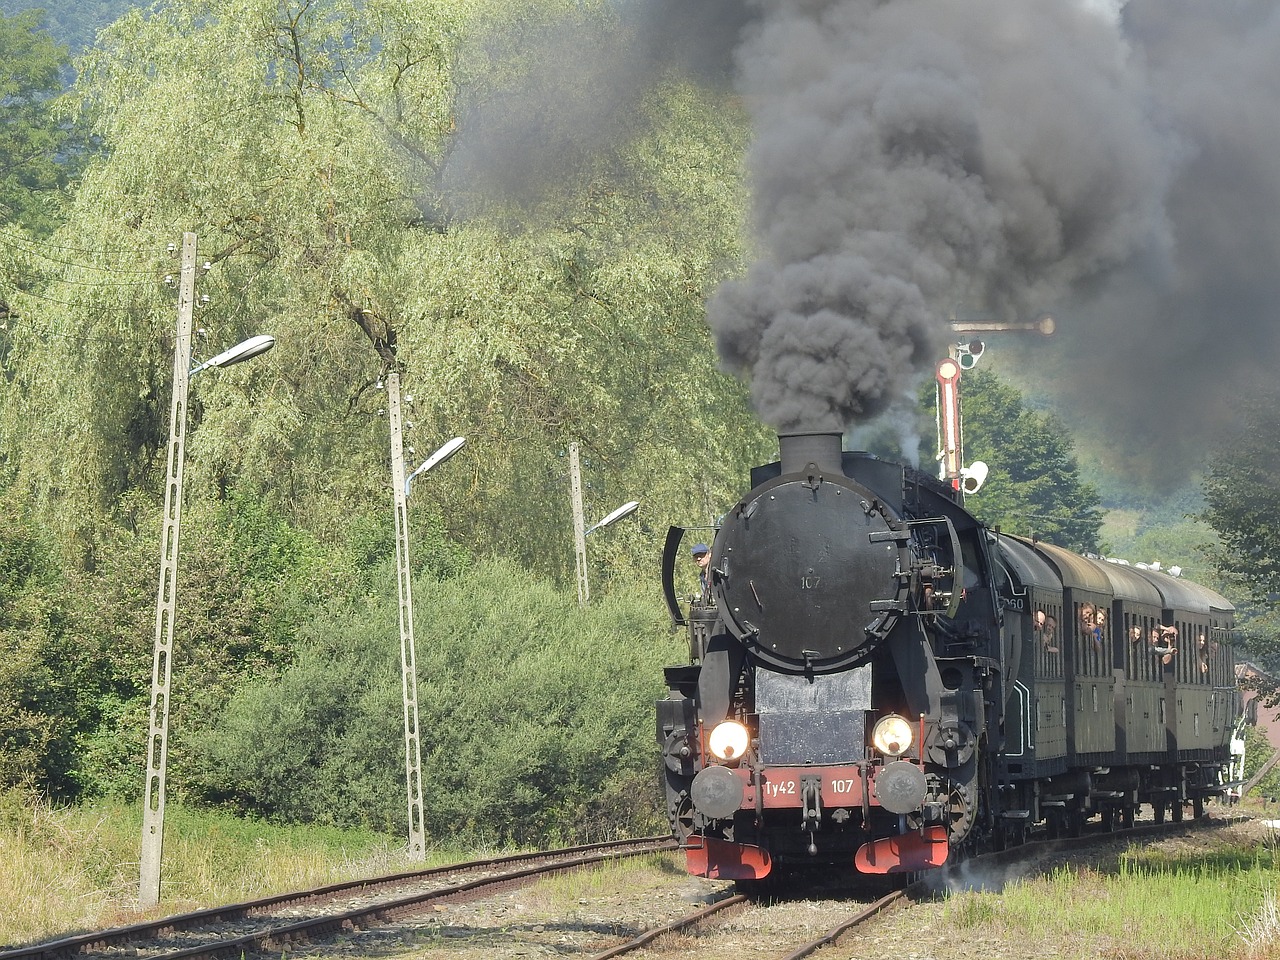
536	717
37	698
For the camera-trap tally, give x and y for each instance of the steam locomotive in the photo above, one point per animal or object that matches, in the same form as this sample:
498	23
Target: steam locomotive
877	680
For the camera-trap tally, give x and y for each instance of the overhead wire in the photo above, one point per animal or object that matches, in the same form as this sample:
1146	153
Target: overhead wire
14	238
126	274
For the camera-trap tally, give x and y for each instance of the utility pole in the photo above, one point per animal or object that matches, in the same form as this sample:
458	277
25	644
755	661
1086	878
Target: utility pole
579	525
162	654
408	653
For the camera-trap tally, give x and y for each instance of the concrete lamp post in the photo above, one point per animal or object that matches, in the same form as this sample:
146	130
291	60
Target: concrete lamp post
400	485
166	596
580	529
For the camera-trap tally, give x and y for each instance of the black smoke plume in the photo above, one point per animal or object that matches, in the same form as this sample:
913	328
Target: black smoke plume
1114	165
916	155
546	95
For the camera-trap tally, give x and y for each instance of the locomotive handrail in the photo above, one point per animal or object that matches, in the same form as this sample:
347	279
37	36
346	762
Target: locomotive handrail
670	550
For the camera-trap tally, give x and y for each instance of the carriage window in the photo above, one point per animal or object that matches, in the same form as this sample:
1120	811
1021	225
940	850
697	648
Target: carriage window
1221	667
1135	662
1188	657
1150	665
1091	645
1084	638
1164	644
1048	643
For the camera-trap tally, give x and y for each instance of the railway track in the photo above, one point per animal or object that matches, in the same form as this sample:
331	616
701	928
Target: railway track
683	924
705	942
782	925
273	923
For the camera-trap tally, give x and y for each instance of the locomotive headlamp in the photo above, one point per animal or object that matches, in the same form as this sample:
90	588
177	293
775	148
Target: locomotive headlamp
892	735
729	740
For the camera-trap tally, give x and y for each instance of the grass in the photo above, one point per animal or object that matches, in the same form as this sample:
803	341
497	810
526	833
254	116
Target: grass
71	870
1218	902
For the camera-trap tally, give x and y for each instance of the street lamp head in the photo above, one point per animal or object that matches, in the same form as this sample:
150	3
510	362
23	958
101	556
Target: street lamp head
439	457
622	511
245	350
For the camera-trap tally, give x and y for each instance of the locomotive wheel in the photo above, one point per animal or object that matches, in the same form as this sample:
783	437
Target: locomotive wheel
1176	808
1128	814
1197	808
1157	811
959	810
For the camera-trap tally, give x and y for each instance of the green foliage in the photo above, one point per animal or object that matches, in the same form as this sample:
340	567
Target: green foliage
72	869
1258	751
309	172
1184	541
247	581
33	141
303	175
1242	504
1123	909
72	23
35	641
1033	487
534	715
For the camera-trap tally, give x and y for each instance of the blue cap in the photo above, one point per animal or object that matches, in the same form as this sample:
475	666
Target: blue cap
699	548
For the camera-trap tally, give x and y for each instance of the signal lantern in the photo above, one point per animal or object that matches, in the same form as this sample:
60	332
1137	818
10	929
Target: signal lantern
968	353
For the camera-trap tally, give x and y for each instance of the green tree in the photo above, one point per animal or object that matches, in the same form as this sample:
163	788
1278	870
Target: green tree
35	145
1242	504
303	144
1034	487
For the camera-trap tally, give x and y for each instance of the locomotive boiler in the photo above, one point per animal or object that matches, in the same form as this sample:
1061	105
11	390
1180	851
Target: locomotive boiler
868	680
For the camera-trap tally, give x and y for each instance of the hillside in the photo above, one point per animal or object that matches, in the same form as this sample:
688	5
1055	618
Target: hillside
73	22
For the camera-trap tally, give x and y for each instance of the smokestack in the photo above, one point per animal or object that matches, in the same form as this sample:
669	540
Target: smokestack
798	450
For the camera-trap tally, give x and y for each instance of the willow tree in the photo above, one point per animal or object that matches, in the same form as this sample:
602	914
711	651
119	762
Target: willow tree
305	143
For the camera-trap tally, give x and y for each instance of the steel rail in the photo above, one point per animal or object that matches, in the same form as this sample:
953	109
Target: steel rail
674	926
569	858
837	932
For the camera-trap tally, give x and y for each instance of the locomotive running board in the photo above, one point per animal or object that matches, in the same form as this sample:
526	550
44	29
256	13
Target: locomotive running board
721	860
905	853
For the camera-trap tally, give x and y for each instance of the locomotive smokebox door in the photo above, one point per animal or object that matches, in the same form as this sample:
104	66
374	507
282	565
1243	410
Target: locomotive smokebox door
810	571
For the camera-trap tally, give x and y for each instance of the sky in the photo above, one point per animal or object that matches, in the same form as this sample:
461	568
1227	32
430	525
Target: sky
1114	164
